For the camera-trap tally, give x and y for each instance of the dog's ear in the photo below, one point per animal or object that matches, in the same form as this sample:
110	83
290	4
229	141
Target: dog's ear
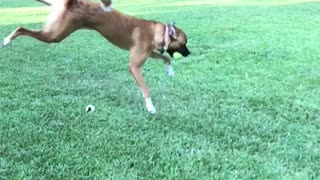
172	30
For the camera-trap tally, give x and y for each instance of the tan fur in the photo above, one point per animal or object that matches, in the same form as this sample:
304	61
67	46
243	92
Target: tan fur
142	38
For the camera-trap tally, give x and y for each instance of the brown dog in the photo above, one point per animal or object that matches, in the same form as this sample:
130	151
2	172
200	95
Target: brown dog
142	38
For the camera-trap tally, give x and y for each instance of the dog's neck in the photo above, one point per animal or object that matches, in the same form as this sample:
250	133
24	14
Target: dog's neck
165	40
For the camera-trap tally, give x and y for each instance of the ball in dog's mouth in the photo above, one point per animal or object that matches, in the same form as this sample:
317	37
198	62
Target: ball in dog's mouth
177	55
90	108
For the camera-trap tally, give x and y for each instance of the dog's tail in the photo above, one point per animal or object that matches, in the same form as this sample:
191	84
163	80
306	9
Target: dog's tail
106	5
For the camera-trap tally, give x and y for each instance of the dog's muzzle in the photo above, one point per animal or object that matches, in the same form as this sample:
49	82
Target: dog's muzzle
186	52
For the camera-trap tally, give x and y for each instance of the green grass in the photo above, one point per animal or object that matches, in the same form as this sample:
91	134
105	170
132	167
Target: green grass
245	105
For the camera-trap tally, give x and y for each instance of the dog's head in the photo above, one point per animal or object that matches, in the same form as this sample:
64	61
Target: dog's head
178	41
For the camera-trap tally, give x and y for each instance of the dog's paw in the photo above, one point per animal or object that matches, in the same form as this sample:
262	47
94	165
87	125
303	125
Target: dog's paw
5	42
170	71
151	109
106	6
2	44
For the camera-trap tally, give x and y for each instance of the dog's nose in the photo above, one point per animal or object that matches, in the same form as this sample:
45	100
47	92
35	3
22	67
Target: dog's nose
186	53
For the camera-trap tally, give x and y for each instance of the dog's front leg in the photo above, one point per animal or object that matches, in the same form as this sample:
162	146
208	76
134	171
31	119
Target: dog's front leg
136	62
167	60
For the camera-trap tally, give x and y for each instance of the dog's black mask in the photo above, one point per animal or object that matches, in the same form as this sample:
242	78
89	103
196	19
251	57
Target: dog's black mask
183	50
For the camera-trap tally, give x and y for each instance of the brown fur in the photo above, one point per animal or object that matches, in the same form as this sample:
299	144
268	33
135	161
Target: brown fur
142	38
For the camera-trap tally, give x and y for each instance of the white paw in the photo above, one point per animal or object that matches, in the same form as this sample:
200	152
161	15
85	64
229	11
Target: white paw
106	8
151	109
6	41
170	70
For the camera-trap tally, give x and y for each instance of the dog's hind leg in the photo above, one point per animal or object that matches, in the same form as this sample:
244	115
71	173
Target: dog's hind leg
60	24
42	35
45	35
167	61
57	28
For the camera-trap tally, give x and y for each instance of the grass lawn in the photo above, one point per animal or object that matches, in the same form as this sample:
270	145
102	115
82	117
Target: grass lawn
244	105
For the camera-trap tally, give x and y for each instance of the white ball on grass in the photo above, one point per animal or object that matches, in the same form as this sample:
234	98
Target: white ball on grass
90	108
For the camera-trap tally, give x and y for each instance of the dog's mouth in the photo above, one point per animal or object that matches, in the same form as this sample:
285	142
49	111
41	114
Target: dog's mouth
183	51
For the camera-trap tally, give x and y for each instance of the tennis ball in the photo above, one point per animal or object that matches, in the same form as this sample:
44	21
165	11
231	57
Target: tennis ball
177	55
